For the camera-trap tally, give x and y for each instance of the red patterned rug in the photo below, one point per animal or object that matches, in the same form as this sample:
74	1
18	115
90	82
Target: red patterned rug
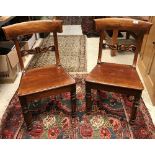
52	119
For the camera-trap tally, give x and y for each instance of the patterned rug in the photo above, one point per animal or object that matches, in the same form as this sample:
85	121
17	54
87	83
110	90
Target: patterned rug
52	118
72	53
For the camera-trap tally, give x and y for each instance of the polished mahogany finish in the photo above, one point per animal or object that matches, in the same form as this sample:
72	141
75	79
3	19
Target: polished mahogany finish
120	75
119	78
121	24
48	77
44	81
37	26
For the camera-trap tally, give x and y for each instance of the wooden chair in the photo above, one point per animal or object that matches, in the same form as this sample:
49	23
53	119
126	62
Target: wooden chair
119	78
45	81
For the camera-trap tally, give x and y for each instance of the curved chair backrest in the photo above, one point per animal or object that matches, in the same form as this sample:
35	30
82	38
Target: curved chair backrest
30	27
12	32
124	24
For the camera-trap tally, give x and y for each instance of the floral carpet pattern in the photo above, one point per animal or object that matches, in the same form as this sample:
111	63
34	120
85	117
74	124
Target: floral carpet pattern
52	118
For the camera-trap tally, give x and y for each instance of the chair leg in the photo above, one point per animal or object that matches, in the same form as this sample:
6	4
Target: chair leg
99	99
26	113
73	100
88	99
134	108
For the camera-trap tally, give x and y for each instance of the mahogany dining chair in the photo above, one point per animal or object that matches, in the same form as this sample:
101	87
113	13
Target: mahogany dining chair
112	77
44	81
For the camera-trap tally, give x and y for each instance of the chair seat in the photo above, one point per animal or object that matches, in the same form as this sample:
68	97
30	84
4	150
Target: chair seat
112	74
45	78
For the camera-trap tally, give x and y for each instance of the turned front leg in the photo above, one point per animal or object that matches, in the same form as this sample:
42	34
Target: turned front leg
26	113
73	101
88	99
99	99
134	108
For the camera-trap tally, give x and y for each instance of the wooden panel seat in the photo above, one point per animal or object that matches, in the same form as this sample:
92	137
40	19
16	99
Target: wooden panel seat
47	78
118	75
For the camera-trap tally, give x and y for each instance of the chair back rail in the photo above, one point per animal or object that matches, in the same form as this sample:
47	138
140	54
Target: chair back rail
125	24
122	24
12	32
30	27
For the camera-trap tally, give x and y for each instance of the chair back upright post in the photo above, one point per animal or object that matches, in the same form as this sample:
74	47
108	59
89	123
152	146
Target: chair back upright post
126	24
56	49
102	36
12	32
16	42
